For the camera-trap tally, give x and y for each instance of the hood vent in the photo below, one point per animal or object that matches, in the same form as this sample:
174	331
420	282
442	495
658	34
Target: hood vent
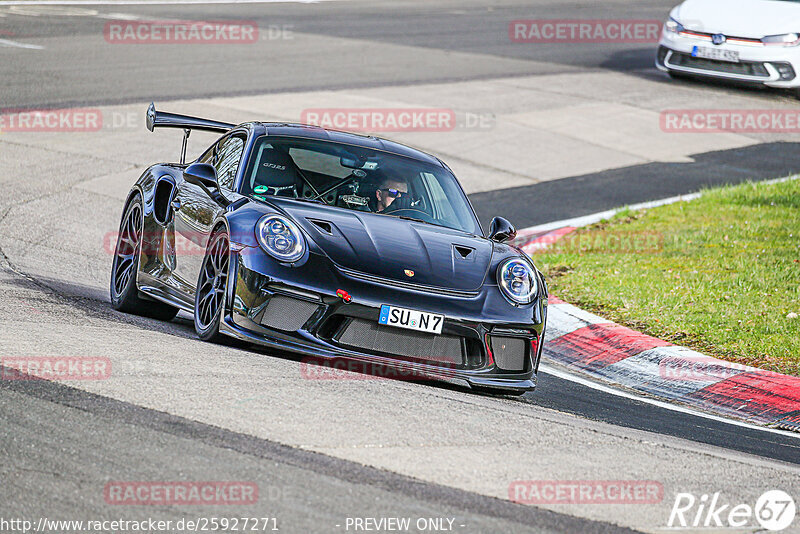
324	226
463	252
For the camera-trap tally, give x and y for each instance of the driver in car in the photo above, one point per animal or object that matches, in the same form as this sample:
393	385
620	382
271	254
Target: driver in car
392	189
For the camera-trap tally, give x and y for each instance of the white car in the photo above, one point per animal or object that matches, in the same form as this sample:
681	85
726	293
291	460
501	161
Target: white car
752	41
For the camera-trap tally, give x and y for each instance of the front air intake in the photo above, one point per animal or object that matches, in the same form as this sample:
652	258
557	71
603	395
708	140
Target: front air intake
509	352
376	339
287	314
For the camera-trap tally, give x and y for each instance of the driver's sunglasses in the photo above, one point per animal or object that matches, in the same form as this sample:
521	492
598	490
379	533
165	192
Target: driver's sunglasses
395	193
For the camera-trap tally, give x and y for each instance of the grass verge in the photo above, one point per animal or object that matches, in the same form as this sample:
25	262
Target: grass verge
720	274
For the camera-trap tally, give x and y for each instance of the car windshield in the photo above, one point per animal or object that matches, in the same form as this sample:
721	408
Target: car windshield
357	178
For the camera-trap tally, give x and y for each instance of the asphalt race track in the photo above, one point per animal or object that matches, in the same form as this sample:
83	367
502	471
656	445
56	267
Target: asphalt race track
574	130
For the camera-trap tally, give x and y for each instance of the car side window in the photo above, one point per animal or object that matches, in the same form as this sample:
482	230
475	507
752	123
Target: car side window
442	207
226	160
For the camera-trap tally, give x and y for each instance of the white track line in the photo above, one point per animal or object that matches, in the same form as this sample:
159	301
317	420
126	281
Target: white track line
586	220
661	404
14	44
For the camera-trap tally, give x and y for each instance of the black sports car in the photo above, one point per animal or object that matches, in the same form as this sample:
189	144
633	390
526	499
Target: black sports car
333	245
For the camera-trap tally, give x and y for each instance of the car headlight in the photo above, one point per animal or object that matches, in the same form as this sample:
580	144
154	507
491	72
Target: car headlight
673	26
281	238
517	280
785	39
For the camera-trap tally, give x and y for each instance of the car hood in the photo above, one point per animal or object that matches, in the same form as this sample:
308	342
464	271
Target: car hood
740	18
387	247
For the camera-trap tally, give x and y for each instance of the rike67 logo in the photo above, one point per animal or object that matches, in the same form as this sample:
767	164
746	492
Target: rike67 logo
774	510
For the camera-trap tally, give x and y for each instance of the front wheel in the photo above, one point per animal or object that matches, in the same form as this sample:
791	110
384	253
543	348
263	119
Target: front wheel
209	299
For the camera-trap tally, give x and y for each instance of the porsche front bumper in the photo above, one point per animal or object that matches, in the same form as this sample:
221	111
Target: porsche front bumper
485	341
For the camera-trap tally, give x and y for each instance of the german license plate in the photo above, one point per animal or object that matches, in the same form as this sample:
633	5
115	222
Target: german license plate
719	54
411	319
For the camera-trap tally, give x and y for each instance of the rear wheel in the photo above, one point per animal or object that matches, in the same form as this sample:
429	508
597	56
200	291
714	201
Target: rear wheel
125	295
209	299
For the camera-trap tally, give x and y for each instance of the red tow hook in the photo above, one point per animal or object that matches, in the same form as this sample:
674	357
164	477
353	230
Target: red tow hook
344	295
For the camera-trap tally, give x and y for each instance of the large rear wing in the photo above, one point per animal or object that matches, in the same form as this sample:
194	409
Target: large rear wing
161	119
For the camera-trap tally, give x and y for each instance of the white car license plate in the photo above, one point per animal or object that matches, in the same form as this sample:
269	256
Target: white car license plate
411	319
731	56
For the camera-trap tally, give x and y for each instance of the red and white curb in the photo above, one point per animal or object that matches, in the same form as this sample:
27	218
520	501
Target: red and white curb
590	345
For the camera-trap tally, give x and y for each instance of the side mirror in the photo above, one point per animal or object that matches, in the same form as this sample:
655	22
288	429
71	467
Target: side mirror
501	230
201	174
